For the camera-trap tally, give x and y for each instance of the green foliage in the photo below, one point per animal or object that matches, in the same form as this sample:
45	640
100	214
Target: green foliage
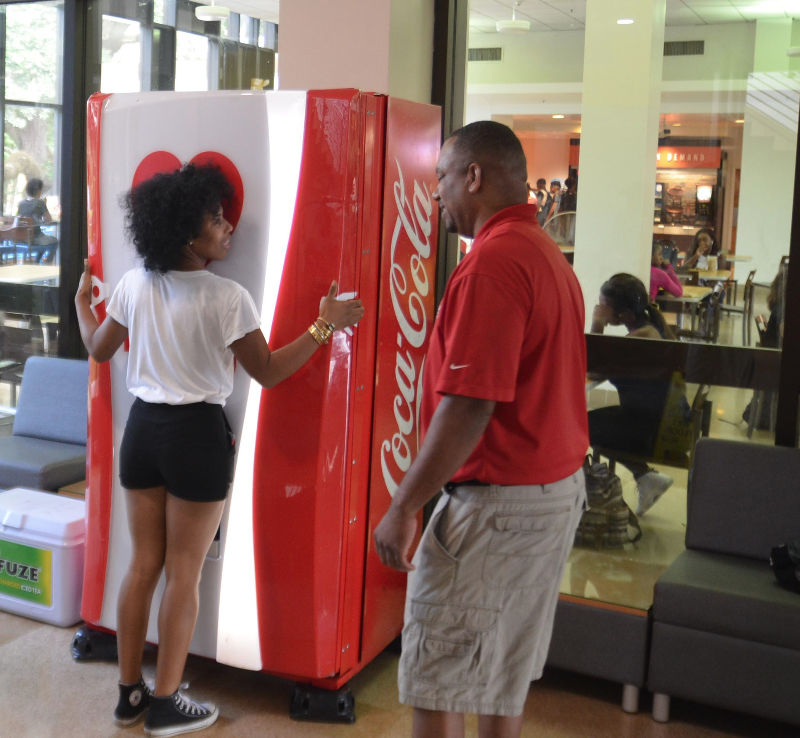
33	52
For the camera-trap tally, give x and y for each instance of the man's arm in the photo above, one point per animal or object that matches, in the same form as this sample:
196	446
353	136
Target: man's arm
454	432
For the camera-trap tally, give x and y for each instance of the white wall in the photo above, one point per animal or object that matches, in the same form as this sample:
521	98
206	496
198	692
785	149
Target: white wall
382	46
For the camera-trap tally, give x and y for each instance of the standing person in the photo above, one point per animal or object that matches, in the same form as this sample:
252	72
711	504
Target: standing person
554	201
569	197
505	434
541	199
186	327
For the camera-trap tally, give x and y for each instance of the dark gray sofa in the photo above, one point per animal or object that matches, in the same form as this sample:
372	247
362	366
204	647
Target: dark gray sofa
47	449
724	632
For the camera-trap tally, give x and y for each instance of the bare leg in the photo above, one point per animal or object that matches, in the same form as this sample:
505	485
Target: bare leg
147	525
190	529
437	724
499	726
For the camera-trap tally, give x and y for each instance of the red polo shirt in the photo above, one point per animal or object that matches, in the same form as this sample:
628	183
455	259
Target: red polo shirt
510	328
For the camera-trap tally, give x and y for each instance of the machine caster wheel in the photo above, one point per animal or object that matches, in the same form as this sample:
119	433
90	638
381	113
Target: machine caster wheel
322	705
93	645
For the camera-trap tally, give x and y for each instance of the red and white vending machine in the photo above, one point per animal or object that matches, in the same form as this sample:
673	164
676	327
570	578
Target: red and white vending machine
331	184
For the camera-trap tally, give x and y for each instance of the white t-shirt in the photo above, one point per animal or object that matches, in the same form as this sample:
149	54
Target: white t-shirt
180	326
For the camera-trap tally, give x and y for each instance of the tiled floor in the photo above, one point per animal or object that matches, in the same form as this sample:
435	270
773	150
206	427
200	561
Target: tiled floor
45	694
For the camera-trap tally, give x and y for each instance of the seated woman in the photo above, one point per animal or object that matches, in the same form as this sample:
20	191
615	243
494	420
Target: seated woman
704	245
662	275
34	206
633	426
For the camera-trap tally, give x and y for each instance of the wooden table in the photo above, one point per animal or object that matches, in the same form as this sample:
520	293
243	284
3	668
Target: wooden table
690	302
708	275
735	257
30	274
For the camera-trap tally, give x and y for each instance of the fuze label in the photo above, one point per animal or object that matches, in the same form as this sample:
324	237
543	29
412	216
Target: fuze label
26	573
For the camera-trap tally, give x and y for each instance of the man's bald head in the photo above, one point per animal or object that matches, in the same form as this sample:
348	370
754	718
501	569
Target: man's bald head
495	147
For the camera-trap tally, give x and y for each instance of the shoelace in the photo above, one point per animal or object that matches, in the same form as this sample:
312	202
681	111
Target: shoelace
189	707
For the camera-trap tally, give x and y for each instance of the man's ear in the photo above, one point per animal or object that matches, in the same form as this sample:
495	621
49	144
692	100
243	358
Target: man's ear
474	177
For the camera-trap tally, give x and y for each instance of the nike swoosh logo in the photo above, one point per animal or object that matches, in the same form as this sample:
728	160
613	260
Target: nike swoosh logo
459	366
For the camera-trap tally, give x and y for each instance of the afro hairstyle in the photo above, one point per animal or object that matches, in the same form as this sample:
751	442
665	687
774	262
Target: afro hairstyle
166	212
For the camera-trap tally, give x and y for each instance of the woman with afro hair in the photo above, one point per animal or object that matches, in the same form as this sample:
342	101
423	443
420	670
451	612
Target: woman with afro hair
187	326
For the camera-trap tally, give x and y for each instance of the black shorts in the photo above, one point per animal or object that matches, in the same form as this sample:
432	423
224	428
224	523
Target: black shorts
189	449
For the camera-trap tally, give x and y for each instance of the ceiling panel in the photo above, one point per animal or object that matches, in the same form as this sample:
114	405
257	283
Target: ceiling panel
682	16
571	14
679	12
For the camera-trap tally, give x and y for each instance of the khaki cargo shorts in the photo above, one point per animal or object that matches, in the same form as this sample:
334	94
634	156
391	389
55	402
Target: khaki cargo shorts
481	601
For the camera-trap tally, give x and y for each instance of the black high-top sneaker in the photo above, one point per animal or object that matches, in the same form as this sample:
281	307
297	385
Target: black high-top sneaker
134	699
178	714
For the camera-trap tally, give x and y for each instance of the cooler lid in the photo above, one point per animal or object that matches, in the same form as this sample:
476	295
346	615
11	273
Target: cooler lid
27	512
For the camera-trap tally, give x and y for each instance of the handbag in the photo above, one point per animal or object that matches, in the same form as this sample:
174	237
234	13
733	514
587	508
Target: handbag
607	522
785	563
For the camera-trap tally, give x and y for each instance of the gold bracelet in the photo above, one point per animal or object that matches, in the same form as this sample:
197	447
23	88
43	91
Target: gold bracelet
315	334
325	329
329	326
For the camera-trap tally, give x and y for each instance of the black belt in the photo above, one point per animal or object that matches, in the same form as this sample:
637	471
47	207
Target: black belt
450	486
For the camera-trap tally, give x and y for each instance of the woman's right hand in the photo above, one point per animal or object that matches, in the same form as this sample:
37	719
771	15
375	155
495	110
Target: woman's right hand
341	313
601	317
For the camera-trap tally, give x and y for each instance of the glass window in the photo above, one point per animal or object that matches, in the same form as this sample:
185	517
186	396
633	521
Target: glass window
33	48
268	35
191	62
121	55
164	12
33	52
162	75
713	257
29	151
247	26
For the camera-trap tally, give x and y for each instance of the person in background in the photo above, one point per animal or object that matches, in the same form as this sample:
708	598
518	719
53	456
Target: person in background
633	425
703	246
552	202
186	326
541	199
34	206
770	335
569	197
662	275
504	426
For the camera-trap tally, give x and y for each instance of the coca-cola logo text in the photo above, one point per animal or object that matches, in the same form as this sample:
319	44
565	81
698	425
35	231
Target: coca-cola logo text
408	287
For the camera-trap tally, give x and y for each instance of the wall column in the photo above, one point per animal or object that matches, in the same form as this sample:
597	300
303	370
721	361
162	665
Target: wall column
769	142
619	141
381	46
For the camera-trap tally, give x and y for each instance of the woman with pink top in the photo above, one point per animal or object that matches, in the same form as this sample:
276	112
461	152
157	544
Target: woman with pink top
662	275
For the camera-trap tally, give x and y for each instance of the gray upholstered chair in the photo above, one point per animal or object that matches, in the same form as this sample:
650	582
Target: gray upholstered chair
724	632
47	448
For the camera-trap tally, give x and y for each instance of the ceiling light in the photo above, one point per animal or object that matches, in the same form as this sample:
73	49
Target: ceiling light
739	120
558	115
513	25
211	12
676	125
624	21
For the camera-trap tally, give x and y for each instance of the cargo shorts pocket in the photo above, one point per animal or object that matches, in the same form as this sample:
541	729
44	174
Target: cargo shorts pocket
524	551
449	645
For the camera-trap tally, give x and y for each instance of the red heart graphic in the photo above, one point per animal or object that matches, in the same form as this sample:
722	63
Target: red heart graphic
163	161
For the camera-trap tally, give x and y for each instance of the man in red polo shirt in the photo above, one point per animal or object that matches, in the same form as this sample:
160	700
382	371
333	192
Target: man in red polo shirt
505	434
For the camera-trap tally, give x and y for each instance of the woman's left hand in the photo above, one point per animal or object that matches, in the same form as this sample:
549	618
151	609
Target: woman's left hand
341	313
